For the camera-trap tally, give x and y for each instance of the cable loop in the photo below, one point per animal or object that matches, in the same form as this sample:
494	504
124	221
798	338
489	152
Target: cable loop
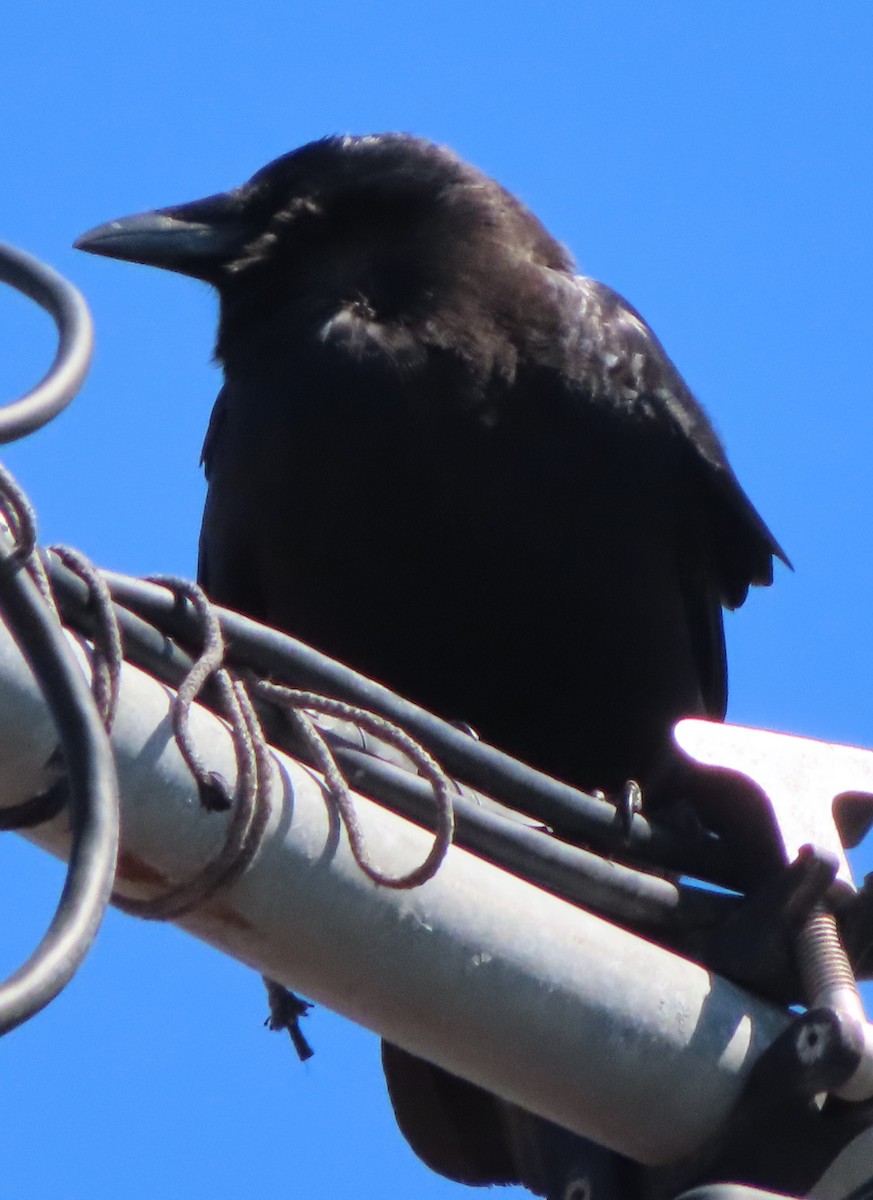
70	313
251	803
20	519
255	769
107	655
298	704
92	793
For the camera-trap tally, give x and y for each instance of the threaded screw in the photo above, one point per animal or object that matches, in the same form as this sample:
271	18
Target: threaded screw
828	978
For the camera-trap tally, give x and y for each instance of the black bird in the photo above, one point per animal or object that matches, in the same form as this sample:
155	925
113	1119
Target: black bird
443	457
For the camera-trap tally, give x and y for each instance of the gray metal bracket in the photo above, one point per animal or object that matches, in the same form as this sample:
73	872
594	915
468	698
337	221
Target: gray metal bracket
800	778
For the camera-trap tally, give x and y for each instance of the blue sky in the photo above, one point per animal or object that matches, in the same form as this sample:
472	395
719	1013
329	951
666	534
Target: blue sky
710	161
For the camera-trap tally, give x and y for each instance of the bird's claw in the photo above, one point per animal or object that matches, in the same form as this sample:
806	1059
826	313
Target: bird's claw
286	1009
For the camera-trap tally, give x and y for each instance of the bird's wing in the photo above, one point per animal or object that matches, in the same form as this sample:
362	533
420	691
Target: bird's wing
743	546
720	544
207	460
227	557
213	434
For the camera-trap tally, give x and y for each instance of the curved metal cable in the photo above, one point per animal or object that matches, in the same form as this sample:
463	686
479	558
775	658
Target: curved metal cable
93	798
298	706
107	655
67	307
93	787
251	802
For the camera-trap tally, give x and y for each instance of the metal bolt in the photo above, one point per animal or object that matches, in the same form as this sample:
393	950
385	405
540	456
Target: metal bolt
828	978
829	982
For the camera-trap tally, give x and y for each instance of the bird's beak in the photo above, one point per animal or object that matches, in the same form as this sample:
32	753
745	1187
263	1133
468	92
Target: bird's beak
194	239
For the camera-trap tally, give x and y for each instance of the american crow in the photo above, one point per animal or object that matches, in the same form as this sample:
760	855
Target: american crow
443	457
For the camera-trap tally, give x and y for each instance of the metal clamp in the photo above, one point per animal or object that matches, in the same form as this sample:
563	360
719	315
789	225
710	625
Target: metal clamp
800	780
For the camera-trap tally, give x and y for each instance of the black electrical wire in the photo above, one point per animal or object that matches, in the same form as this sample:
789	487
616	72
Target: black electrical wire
75	340
483	826
611	889
93	797
864	1192
568	812
143	644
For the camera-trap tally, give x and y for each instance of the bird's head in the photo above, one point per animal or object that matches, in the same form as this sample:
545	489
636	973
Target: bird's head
383	219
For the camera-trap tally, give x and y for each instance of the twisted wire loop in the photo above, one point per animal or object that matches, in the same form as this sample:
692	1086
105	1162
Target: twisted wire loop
251	803
298	704
38	573
106	659
19	522
107	654
20	519
214	793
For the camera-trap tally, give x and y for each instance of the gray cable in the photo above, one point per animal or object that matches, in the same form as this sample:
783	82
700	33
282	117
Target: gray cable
75	341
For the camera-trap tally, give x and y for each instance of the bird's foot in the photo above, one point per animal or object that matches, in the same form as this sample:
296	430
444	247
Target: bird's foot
286	1009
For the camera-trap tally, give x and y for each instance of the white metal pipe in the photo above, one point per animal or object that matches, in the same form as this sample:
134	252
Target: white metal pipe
543	1003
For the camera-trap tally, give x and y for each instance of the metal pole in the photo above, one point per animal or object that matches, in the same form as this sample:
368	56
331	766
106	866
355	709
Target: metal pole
541	1002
